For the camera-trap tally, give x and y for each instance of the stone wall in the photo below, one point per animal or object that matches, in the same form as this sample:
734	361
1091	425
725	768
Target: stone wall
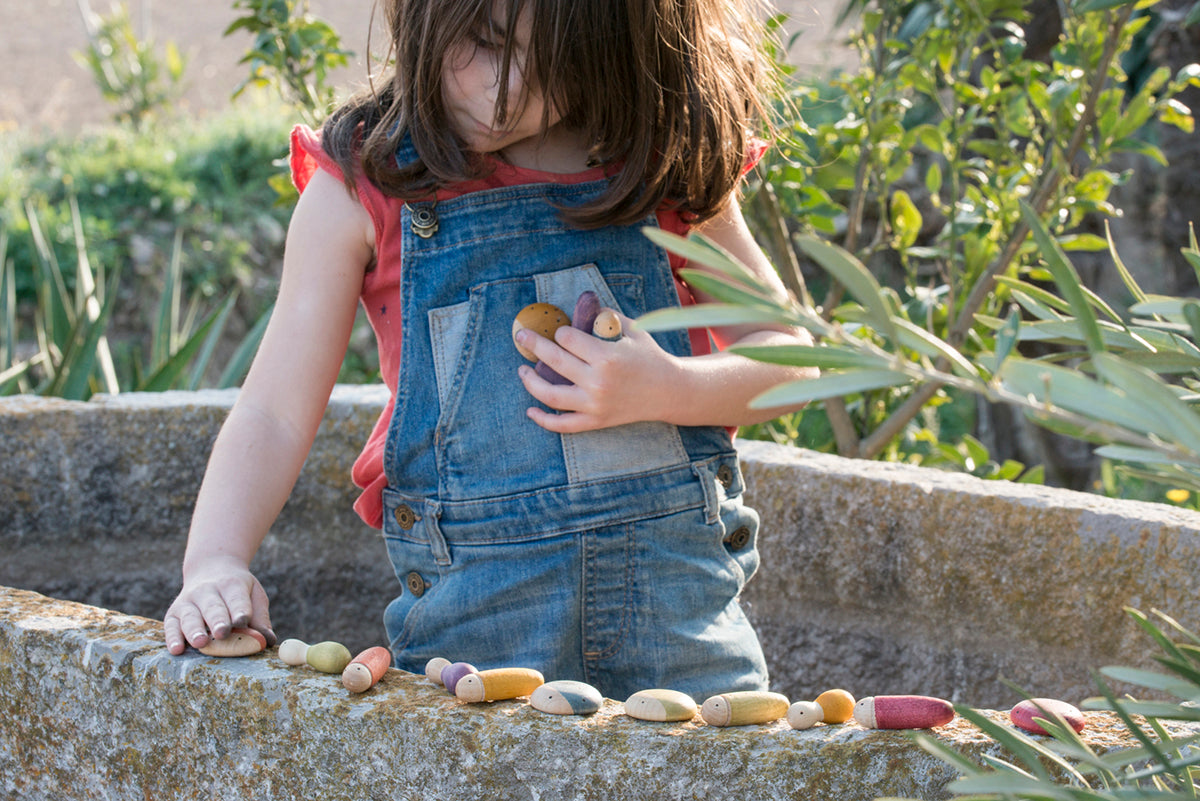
93	708
877	578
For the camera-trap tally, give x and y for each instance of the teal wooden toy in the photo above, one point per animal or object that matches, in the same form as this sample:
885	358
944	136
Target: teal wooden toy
566	698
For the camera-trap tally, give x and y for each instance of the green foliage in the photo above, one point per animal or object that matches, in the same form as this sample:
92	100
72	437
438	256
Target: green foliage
1101	387
73	358
1164	764
919	166
127	70
136	190
293	53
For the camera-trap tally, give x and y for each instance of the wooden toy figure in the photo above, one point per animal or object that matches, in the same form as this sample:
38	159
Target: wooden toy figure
498	685
660	706
327	657
903	712
744	708
566	698
837	705
366	669
240	642
1023	714
545	319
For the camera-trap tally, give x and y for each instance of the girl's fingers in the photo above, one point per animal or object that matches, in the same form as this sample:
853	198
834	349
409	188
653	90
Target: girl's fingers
556	396
173	635
213	612
260	617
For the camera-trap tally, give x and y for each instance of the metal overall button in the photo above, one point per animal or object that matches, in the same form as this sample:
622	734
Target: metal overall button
416	584
424	219
725	476
405	517
739	539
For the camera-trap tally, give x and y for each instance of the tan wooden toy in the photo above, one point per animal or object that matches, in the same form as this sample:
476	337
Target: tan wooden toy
240	642
660	706
543	318
366	669
743	708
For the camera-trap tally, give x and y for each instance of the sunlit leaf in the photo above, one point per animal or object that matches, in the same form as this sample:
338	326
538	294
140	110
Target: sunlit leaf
812	356
1152	680
829	385
1073	391
856	278
709	315
1158	401
699	250
1065	278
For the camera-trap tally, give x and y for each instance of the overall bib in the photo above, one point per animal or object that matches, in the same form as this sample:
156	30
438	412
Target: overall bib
613	557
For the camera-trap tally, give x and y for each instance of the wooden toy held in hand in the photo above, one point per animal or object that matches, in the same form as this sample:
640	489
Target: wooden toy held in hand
566	697
744	708
366	669
660	706
837	705
327	657
240	642
1022	715
546	319
903	712
499	684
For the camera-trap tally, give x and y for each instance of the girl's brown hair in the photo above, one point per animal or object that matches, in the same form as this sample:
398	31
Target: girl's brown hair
668	89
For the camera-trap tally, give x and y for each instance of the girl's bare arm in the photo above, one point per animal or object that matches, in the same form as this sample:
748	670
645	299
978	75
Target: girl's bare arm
264	441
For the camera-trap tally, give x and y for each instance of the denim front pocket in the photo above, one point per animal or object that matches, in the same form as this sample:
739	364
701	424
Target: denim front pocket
485	443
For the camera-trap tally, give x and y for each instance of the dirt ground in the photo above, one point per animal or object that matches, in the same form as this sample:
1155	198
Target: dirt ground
42	88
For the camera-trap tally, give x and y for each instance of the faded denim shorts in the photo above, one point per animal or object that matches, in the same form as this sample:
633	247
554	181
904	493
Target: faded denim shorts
650	602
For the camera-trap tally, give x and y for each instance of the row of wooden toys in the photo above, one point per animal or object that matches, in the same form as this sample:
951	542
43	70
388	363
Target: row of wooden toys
564	697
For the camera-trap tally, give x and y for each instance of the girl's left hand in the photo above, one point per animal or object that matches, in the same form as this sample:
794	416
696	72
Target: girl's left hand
613	382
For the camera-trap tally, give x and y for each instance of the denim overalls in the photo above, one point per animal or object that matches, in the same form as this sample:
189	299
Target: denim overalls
613	557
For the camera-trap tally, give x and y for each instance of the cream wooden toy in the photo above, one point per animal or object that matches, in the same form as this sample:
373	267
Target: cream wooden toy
240	642
498	685
366	669
903	712
660	706
744	708
434	668
805	714
566	698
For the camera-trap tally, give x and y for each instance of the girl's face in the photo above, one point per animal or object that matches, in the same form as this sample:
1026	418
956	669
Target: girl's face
471	81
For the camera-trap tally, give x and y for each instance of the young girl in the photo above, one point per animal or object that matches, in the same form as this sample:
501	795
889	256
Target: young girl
593	530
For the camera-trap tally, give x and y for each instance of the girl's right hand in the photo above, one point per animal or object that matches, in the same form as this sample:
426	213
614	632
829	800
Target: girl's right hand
216	598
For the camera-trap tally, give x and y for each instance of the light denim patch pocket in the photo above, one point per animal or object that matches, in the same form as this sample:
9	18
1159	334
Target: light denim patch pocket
621	450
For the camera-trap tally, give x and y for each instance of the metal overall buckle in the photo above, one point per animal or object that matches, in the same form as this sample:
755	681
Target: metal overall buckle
424	219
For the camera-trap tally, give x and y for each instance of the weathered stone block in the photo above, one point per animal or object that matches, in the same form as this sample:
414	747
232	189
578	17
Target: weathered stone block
884	579
94	708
